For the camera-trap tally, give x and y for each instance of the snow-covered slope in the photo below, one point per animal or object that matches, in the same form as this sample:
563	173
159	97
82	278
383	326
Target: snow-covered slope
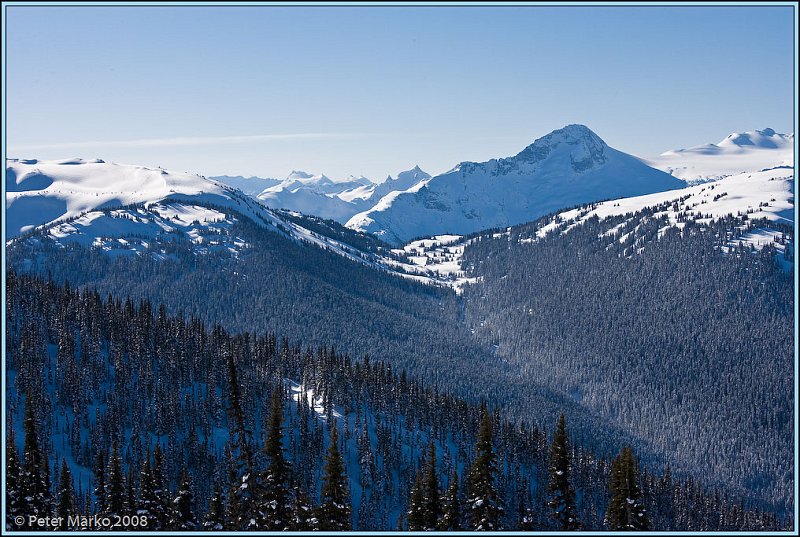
91	199
124	210
39	192
314	194
738	153
767	194
252	186
321	196
569	166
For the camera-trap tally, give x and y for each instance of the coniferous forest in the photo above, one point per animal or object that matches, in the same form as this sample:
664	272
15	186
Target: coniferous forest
391	279
131	416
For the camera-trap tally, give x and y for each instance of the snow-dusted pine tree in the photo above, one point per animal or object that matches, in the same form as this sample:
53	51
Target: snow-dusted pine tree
335	511
561	494
625	508
483	506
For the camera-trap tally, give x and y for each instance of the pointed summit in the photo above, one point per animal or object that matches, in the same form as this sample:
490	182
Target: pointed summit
567	167
586	149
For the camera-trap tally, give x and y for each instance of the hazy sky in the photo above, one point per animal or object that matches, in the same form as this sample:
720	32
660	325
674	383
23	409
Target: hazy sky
263	90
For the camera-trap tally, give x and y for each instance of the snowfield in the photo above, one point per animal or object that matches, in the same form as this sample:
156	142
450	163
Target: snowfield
40	192
738	153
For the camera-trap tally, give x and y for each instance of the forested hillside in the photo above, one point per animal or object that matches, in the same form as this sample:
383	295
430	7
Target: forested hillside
118	409
681	336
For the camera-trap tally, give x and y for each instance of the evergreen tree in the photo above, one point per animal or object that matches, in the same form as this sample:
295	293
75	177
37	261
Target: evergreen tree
100	482
241	499
559	489
451	519
302	512
35	487
215	516
147	494
232	511
161	505
274	501
66	493
625	508
335	511
416	505
183	517
483	500
525	512
432	504
130	498
14	505
115	484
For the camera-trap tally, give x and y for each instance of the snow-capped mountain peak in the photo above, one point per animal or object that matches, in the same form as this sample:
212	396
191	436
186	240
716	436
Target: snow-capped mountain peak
567	167
585	147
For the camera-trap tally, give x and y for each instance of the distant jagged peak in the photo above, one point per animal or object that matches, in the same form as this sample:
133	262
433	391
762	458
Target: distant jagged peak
414	173
300	174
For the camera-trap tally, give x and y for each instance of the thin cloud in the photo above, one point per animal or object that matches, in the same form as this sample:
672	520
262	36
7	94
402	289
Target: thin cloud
189	141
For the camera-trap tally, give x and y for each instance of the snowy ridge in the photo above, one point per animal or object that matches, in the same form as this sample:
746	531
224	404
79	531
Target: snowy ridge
567	167
124	210
252	186
750	151
321	196
765	194
39	192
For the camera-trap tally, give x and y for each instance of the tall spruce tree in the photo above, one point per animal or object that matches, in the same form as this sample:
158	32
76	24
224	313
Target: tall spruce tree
416	504
14	504
242	496
451	518
35	489
525	512
335	510
66	506
99	478
115	484
161	505
625	508
275	505
147	496
130	494
483	506
432	503
559	488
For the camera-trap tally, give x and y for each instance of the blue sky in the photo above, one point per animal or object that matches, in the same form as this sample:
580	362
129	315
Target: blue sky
263	90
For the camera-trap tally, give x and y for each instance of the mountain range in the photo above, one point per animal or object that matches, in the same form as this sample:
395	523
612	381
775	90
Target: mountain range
500	318
568	167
